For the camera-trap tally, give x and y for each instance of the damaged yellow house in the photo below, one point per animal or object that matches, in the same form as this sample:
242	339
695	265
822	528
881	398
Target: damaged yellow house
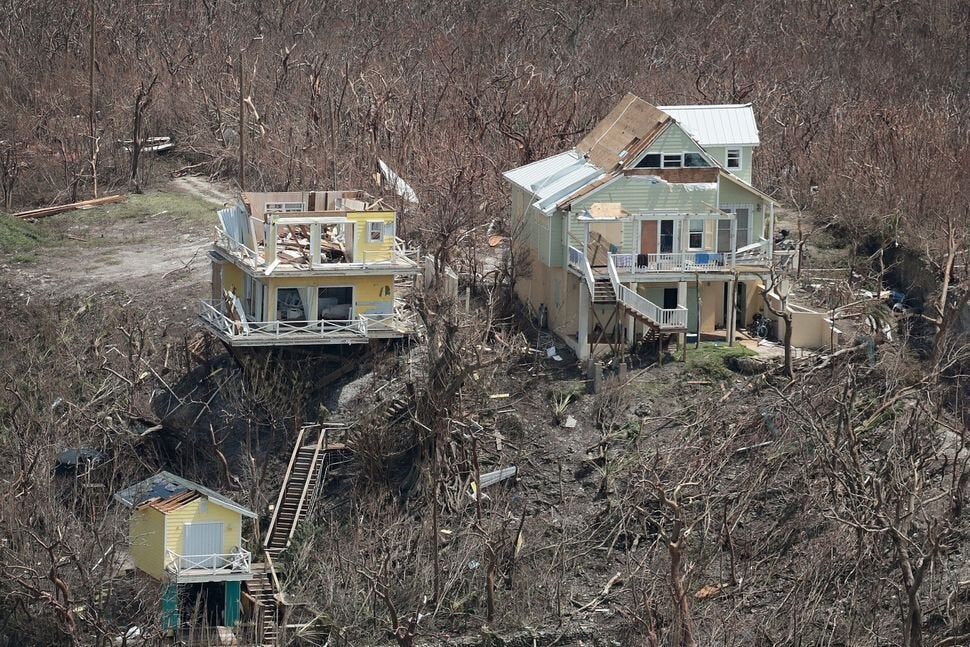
310	267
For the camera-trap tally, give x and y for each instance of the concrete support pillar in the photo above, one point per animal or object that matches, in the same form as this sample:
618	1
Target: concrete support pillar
582	334
731	322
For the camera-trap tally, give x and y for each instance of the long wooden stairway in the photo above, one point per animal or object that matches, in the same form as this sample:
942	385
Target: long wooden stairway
298	492
299	487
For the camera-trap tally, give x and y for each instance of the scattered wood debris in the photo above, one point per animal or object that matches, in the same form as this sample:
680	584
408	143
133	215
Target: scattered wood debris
53	211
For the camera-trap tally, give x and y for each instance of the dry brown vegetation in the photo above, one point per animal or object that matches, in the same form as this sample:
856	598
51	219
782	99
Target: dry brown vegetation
825	509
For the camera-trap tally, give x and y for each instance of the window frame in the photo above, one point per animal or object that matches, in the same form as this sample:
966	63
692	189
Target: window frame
727	159
679	156
284	207
691	232
371	230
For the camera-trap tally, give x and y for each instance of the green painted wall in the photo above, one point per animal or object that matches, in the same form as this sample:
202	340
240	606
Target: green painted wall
734	194
643	193
170	606
747	156
673	140
232	603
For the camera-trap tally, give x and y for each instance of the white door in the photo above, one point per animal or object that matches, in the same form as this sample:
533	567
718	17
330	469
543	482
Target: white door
201	543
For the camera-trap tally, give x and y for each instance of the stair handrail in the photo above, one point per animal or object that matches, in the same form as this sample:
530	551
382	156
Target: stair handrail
614	277
286	478
306	485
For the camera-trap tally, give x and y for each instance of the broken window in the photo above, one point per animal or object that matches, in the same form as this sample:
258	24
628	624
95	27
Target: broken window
734	158
335	303
695	236
672	160
650	160
695	160
375	231
289	305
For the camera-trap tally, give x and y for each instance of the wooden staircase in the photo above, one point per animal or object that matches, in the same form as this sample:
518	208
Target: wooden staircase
603	291
299	488
297	496
263	592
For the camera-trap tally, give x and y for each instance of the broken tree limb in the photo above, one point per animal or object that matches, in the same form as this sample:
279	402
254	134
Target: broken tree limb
53	211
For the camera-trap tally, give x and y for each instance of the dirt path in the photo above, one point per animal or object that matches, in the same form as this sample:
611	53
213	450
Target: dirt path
201	188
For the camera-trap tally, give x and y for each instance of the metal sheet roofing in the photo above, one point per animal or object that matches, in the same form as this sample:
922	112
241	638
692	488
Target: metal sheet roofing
553	178
166	485
717	125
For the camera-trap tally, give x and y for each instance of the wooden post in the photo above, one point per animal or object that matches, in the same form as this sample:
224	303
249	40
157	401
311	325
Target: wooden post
732	317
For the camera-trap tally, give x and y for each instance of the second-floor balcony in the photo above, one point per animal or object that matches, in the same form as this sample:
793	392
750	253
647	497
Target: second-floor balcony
750	257
236	565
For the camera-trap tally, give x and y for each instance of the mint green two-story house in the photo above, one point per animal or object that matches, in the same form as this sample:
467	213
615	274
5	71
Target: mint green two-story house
649	226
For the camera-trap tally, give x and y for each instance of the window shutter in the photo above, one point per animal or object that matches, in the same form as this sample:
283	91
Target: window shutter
709	234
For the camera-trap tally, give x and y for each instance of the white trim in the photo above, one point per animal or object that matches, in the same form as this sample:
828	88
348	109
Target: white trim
690	231
371	231
727	158
353	301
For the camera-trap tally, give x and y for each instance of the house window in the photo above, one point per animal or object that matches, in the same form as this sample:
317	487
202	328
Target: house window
695	236
650	160
389	230
672	160
695	160
734	158
284	207
375	231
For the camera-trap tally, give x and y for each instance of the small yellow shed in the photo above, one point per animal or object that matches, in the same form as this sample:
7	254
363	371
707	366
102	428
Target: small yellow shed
183	532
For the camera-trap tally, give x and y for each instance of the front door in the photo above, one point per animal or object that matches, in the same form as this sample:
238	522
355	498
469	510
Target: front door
202	542
648	237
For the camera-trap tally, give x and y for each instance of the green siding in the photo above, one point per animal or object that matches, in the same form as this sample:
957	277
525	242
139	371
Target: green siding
747	156
640	194
733	194
557	252
542	234
170	606
673	140
232	603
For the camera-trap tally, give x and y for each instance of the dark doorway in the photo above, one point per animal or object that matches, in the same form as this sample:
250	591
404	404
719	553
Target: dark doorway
670	298
740	306
666	236
205	602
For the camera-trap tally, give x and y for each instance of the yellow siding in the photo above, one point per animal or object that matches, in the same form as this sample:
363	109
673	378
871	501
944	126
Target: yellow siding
193	513
366	251
372	293
232	279
146	532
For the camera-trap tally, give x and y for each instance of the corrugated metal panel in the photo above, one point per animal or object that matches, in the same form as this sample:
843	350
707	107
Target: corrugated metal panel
718	125
553	178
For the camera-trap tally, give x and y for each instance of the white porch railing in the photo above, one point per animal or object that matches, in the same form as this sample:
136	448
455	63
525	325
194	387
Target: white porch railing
754	254
238	561
665	318
578	260
674	262
311	331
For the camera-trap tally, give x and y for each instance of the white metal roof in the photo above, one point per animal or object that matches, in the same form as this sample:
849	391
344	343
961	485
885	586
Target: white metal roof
551	179
717	125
